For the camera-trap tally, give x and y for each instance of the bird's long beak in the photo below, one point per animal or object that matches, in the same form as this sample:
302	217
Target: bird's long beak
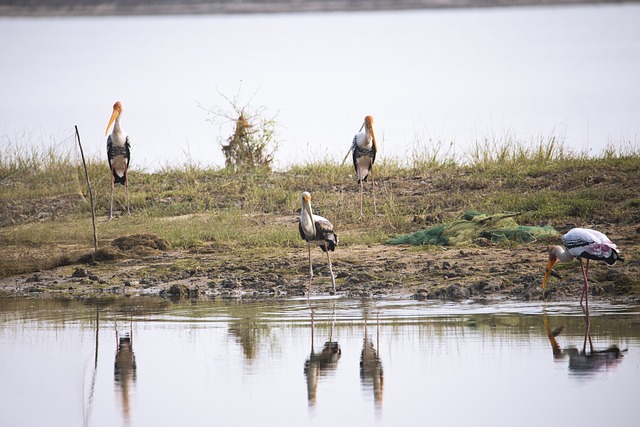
114	115
552	338
363	125
550	265
307	209
373	138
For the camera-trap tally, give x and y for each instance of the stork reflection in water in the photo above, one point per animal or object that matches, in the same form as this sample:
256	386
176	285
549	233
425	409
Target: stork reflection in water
583	243
321	364
371	372
583	363
125	370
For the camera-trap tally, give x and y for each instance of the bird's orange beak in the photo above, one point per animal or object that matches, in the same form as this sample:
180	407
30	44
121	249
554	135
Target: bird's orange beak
114	115
373	139
368	123
550	265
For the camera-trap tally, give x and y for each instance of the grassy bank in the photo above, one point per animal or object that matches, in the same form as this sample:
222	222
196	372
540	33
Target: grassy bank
45	216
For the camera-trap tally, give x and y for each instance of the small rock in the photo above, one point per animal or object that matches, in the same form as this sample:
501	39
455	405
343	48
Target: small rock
79	272
229	284
34	278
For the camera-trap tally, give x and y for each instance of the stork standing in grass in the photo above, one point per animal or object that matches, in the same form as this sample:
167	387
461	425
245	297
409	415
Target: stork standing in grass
588	244
118	153
316	230
364	150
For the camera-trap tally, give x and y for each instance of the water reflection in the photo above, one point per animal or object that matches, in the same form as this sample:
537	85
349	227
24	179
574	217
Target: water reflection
582	363
362	355
321	364
92	387
371	373
124	373
247	334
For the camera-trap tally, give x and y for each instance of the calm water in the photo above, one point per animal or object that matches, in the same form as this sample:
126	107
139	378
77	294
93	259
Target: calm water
143	362
447	75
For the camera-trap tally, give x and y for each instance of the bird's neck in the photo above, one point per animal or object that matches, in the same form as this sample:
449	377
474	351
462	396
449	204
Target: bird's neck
307	223
562	254
118	135
365	139
116	126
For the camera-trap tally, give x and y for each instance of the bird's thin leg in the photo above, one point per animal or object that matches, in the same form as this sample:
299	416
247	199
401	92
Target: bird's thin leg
312	326
310	274
373	190
333	278
587	274
111	205
587	320
126	188
361	185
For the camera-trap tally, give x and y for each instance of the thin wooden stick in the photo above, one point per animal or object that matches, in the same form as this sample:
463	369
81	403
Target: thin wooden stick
93	210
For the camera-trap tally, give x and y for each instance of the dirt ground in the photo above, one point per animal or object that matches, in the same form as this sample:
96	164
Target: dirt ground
144	266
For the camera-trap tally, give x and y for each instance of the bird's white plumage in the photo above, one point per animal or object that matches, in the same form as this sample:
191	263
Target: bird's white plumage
583	243
118	154
316	230
587	243
117	144
321	224
364	150
363	139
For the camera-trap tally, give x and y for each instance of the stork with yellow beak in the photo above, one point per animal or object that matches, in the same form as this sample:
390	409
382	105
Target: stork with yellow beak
364	150
316	230
118	153
588	244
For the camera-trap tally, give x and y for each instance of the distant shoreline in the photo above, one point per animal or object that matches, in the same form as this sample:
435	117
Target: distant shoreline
42	8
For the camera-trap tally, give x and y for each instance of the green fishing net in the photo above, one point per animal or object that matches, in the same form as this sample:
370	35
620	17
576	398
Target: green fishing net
472	225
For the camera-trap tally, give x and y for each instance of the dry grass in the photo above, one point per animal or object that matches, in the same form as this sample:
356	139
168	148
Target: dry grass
43	201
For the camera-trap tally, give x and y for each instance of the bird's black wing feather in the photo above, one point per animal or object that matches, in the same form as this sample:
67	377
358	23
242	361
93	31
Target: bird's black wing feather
109	150
301	230
354	147
574	242
324	232
127	150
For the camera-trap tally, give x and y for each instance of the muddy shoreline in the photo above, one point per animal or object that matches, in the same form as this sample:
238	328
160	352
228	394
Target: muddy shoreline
482	271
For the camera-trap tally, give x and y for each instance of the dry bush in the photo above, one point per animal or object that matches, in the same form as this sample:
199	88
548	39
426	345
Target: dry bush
253	142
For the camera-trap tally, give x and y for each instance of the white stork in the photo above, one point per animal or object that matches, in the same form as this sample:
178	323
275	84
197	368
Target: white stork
364	150
588	244
118	153
316	230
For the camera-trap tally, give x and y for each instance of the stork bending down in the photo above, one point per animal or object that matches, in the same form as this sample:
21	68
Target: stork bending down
588	244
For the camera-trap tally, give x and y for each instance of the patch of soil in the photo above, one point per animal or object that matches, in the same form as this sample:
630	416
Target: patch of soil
140	241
